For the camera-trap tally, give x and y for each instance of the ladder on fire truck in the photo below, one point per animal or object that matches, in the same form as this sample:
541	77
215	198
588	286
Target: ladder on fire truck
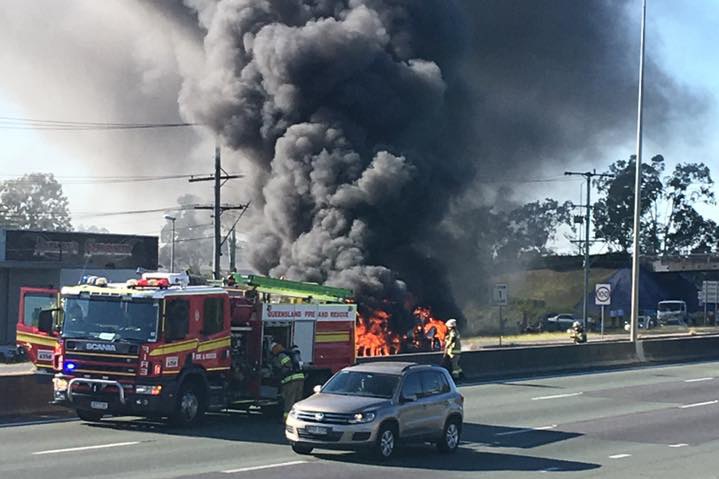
293	289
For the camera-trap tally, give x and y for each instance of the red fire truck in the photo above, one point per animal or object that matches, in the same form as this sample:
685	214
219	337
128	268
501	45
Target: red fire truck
158	347
35	335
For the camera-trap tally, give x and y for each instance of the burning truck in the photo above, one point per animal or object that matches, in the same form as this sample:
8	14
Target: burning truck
377	332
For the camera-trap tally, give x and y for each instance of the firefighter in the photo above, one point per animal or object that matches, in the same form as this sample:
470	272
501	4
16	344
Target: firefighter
577	333
452	350
290	375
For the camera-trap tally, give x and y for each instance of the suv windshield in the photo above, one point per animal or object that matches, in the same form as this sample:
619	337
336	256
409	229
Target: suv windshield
111	319
355	383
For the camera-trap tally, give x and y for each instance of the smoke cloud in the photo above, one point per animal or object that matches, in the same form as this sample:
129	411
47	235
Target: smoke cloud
369	122
375	134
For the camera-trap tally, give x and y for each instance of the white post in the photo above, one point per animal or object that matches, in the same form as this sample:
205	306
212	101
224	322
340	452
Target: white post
637	189
602	321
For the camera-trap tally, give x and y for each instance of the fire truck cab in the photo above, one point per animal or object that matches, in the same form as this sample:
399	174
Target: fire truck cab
158	347
36	339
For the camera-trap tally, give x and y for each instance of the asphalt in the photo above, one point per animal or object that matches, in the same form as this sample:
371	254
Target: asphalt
647	422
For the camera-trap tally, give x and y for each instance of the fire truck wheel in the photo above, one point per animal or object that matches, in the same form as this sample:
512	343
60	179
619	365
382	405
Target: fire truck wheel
300	449
190	407
450	436
386	441
89	416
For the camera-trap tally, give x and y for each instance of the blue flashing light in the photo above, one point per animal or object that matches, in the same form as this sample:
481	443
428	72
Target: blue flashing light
70	366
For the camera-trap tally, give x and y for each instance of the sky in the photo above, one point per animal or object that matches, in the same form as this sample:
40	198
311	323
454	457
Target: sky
35	82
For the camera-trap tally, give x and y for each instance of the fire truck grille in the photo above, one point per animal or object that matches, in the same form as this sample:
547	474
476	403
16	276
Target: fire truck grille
102	364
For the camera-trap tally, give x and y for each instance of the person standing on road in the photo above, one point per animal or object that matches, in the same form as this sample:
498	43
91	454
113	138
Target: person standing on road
452	350
291	377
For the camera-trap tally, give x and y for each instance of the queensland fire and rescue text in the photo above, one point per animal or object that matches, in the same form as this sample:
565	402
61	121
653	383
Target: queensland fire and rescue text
159	347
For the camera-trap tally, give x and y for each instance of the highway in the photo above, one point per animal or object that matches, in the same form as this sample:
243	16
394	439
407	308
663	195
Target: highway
655	422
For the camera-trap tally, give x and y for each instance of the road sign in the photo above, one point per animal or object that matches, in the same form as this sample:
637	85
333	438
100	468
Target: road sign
709	293
603	294
500	294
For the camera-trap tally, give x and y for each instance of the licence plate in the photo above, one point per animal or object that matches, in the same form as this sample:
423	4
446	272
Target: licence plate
317	430
98	405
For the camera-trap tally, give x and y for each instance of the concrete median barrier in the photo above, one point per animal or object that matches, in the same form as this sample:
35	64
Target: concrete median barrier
497	363
26	394
681	349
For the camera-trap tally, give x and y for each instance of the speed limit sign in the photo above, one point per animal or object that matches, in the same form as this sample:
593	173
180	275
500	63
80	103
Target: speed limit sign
603	294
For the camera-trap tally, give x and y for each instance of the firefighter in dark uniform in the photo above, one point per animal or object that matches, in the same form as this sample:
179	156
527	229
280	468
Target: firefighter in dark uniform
292	379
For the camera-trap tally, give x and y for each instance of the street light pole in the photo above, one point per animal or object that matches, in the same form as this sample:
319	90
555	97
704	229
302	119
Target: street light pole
637	187
172	247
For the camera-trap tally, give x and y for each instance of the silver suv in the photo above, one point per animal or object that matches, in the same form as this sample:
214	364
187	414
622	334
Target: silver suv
377	405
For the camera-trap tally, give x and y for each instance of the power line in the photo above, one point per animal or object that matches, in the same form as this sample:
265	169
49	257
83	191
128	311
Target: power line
19	123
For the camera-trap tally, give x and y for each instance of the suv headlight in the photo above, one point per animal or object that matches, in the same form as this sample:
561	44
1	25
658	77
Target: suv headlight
293	413
363	417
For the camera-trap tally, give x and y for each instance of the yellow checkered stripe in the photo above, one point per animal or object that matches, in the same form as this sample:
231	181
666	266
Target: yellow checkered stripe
332	337
36	339
192	345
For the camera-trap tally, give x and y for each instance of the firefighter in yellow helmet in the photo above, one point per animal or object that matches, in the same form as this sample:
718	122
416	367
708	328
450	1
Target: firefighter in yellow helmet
290	375
452	349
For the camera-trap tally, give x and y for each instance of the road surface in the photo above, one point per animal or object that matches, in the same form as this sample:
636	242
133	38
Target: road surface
647	422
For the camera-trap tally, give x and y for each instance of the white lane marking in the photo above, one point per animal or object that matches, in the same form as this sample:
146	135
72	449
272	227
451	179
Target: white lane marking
86	448
707	403
39	421
682	444
268	466
528	429
697	380
619	456
556	396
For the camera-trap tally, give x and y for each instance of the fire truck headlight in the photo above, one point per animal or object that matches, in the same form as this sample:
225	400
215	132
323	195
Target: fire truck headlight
149	390
363	417
59	384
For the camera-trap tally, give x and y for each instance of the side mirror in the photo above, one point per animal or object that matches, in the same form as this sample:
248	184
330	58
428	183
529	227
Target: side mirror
317	388
45	322
408	398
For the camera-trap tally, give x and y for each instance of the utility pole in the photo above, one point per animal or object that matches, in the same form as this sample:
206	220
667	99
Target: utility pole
587	219
220	178
638	187
233	252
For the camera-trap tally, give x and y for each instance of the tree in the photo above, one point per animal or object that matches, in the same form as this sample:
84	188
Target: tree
34	201
528	228
682	229
193	238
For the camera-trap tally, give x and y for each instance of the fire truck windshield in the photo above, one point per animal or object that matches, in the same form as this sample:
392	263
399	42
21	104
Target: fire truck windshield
111	319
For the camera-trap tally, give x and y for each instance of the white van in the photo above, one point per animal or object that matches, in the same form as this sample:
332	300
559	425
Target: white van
672	312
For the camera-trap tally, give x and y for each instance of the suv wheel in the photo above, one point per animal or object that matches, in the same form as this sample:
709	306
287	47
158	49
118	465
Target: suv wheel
300	449
449	442
386	442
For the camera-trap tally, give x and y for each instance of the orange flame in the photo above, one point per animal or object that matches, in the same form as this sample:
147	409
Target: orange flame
374	338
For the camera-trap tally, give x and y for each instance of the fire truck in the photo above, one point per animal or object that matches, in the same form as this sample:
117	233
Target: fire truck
159	347
36	338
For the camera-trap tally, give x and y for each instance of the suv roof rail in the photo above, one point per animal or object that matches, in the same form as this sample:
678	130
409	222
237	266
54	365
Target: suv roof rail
415	365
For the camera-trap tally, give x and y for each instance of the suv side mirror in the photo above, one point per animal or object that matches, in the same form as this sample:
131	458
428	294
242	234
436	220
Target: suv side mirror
317	388
408	398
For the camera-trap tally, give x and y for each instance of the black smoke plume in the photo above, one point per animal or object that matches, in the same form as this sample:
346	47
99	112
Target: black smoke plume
369	122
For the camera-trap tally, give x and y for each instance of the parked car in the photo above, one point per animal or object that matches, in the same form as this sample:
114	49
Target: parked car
377	405
559	322
643	322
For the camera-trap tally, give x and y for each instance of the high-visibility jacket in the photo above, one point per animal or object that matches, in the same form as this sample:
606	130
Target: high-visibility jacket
452	343
282	363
